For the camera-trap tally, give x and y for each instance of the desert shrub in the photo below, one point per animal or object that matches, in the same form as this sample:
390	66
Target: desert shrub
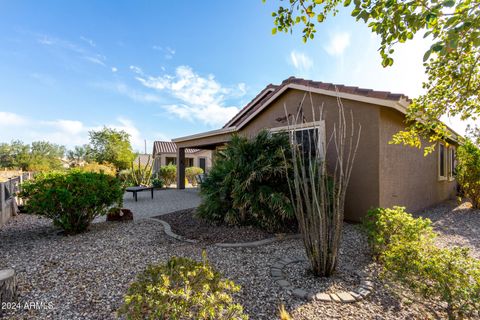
408	255
247	184
73	199
157	183
385	226
124	175
467	171
168	174
105	168
190	174
182	289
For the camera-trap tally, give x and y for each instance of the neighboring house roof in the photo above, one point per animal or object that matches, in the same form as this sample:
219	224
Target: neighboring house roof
169	147
144	159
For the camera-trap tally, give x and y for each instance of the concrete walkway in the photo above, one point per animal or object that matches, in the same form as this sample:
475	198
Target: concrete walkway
164	201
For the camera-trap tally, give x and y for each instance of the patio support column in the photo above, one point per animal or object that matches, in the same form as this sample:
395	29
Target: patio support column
180	168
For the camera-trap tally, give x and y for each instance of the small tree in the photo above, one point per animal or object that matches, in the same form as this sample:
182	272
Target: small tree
318	194
467	171
112	146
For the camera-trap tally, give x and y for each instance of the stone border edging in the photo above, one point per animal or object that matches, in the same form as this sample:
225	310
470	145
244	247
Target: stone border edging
359	293
257	243
168	231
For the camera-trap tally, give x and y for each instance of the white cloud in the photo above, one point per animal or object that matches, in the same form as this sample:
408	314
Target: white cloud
405	76
136	69
72	127
300	61
96	60
9	119
338	43
127	91
89	41
114	69
167	51
79	50
199	98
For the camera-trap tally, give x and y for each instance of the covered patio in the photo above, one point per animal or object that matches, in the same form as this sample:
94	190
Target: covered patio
210	140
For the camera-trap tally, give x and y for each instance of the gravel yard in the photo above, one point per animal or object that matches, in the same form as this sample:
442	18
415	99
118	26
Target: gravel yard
85	276
457	225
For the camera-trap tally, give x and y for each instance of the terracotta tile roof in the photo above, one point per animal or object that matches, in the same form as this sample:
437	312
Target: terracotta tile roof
254	105
249	107
169	147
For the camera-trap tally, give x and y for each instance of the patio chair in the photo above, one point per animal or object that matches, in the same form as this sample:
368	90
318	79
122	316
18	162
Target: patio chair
200	178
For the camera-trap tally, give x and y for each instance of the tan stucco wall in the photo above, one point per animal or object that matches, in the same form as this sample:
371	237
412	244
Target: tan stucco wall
363	191
407	178
196	158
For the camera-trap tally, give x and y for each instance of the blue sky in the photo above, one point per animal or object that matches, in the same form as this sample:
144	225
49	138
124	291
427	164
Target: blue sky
164	69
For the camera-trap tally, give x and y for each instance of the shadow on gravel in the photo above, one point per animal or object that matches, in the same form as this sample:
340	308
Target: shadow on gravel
456	221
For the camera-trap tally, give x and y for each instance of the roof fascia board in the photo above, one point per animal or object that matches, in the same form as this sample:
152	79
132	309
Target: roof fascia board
205	134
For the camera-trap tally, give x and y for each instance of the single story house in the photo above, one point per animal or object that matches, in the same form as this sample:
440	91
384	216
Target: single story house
383	174
165	153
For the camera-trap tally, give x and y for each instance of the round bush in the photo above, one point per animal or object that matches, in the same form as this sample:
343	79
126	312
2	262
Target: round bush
190	174
73	199
168	174
182	289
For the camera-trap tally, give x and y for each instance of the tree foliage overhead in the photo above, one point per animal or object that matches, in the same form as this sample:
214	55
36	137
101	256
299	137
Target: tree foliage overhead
111	146
452	62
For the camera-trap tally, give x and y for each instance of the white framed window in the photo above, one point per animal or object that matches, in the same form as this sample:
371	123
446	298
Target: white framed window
442	162
309	136
451	163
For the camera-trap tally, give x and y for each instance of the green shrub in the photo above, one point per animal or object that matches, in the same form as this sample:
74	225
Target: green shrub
190	174
105	168
386	226
406	250
182	289
168	174
467	171
72	200
157	183
248	185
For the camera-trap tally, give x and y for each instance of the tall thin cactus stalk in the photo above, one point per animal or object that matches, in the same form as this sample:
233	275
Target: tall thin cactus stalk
141	176
318	187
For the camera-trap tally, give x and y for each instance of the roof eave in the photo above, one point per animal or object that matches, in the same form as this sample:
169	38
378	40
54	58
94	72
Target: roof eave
205	134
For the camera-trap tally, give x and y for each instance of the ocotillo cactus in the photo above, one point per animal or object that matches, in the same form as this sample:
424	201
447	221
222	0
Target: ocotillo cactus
142	175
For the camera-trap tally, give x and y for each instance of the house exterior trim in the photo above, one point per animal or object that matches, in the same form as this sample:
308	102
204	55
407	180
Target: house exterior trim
205	134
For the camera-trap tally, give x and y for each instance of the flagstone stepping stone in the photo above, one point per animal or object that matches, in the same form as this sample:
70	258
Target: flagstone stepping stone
363	290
